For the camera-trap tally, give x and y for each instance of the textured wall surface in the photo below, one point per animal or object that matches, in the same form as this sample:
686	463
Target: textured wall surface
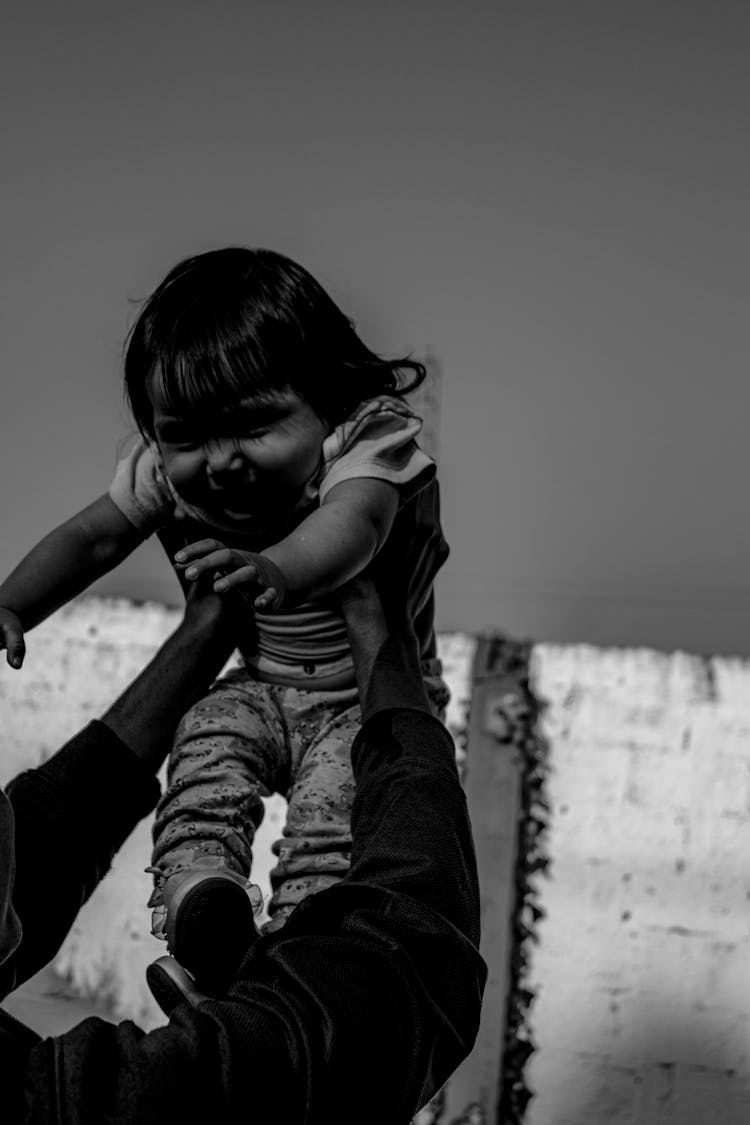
643	965
77	662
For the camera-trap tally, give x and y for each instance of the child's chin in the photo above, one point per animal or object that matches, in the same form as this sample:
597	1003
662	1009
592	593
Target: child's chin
237	513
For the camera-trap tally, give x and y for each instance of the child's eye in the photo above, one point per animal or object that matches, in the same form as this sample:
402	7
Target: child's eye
254	421
247	428
177	438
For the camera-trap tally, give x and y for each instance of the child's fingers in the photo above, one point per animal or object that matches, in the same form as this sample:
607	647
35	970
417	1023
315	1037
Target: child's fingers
217	560
244	576
196	550
15	645
269	600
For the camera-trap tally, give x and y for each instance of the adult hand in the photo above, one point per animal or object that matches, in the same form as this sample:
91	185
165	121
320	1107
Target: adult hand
234	570
381	605
11	637
416	536
146	715
402	588
207	610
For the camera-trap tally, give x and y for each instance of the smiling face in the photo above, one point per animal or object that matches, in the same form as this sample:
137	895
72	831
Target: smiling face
259	457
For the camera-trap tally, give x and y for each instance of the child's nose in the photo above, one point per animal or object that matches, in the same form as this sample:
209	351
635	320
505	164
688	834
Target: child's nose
223	457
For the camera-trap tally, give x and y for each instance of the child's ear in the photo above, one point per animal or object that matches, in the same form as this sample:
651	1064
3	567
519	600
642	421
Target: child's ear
327	416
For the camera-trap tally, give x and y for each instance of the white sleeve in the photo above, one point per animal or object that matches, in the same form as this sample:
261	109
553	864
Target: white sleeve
379	441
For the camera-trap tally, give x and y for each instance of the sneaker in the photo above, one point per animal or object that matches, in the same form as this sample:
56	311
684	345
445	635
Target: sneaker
210	926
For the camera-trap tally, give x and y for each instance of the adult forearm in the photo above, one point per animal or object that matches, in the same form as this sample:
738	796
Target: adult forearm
384	649
72	814
82	803
146	714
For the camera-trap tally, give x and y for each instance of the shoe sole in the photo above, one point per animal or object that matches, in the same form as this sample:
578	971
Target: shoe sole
210	927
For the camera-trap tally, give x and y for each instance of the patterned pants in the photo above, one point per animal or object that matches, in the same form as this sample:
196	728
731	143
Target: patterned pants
246	740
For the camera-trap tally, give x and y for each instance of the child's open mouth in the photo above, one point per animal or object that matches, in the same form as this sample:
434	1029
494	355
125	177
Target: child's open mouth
239	501
234	491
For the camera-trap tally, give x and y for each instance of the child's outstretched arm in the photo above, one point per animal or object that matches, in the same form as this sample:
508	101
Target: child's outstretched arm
330	546
59	567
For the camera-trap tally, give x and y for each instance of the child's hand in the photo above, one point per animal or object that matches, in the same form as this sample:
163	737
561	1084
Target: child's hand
11	637
234	570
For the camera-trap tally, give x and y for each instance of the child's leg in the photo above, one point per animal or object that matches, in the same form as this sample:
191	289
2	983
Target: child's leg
316	844
230	750
314	849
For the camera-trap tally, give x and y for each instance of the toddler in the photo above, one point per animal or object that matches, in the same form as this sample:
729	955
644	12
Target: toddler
275	457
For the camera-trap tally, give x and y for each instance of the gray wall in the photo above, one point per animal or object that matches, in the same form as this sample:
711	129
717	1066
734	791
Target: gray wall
552	198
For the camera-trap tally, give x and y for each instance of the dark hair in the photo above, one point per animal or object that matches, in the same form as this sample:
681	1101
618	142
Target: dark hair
250	322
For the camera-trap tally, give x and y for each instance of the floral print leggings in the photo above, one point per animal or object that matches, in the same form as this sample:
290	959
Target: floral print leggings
246	740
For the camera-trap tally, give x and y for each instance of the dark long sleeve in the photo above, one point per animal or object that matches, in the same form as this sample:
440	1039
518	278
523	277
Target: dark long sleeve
71	815
360	1008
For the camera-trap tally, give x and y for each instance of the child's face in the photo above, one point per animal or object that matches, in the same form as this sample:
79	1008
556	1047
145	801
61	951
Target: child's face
268	452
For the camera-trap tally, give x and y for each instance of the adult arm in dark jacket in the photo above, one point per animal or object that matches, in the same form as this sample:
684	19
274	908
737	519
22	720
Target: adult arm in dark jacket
74	812
366	1001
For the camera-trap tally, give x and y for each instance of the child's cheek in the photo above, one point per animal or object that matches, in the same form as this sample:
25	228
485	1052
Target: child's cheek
267	462
184	471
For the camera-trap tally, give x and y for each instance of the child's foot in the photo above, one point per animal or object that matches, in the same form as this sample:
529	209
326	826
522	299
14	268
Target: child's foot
209	926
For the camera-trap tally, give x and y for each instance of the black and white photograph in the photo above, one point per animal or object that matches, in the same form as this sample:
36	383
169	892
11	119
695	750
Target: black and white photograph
374	598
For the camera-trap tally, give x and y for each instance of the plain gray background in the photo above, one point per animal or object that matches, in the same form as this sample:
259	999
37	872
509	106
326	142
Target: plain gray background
550	198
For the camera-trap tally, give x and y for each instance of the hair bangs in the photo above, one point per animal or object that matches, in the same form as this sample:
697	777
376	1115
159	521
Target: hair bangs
207	364
236	323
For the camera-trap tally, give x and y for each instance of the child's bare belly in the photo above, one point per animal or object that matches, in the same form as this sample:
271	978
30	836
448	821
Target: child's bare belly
311	681
305	647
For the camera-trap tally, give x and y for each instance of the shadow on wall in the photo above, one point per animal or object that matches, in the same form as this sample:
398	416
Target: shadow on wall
642	970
